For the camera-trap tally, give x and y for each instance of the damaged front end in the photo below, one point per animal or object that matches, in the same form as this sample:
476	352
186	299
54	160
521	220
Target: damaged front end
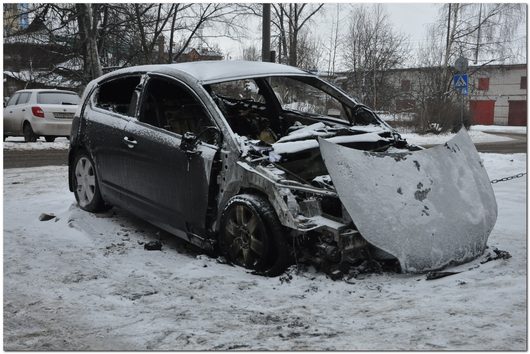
348	188
292	173
346	203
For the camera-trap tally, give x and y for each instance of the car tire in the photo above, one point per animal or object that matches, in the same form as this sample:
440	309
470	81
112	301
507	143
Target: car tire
29	135
251	235
86	187
49	138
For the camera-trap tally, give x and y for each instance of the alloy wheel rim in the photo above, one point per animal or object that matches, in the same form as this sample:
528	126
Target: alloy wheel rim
85	181
244	237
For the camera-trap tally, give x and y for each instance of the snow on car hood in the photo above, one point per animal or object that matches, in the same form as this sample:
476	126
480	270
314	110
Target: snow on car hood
428	208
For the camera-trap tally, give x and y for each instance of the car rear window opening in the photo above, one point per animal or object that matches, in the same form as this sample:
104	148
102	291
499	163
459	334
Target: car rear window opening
62	98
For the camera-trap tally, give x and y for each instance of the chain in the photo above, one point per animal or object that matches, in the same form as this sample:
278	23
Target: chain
504	179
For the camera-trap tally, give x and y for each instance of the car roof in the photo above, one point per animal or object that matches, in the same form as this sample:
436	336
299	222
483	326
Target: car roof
207	72
216	71
46	90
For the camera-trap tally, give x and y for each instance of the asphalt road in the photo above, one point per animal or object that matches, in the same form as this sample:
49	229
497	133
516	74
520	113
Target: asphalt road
505	147
35	158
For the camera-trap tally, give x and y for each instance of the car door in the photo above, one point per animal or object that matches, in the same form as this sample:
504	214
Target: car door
106	116
9	114
166	184
21	111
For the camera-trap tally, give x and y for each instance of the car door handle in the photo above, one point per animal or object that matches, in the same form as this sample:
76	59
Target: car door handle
23	110
129	142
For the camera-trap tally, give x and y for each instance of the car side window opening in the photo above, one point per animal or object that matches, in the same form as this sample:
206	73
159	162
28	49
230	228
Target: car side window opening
300	96
24	97
119	95
173	107
13	100
246	108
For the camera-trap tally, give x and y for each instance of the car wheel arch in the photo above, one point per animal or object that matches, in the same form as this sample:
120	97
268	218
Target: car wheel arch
72	153
259	203
251	190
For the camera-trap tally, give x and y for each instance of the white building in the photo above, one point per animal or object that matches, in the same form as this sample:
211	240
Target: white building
498	94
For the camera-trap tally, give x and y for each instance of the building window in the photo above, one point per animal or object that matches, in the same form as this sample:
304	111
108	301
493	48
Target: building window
484	83
523	82
405	85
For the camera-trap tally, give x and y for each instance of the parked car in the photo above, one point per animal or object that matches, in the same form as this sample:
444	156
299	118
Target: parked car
265	163
40	112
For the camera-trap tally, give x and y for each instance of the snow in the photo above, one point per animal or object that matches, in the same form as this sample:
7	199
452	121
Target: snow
290	147
84	282
17	143
395	117
477	136
499	129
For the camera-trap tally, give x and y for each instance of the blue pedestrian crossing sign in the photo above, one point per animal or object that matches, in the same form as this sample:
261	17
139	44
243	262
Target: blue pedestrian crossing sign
460	83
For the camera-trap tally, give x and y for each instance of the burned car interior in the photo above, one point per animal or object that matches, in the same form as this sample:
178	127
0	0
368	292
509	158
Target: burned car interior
280	114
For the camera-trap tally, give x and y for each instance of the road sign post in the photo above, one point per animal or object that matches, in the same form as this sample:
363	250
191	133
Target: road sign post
460	82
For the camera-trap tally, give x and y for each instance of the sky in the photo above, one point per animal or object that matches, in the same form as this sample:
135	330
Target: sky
410	19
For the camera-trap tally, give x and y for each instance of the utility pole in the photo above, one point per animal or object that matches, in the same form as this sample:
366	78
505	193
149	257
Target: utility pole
446	60
266	34
478	34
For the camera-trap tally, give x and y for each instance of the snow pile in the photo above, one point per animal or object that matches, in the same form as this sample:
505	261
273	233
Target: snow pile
17	143
85	282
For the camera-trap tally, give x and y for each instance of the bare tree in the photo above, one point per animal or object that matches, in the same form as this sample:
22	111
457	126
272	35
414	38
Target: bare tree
371	48
334	39
310	53
251	53
289	20
109	35
477	30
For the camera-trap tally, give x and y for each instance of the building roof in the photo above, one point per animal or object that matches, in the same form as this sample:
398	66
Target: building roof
43	78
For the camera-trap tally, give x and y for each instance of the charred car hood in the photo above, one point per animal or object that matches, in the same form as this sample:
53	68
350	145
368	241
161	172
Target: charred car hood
428	208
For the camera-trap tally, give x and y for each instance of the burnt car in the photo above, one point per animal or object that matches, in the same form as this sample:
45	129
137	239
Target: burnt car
266	164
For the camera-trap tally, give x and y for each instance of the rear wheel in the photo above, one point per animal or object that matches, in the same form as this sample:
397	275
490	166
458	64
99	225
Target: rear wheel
86	188
49	138
251	235
29	135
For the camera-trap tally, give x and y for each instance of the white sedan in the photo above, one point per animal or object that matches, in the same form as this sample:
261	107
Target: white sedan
42	112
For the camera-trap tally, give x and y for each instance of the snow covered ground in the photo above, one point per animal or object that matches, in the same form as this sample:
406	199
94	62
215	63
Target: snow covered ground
85	282
17	143
477	136
499	129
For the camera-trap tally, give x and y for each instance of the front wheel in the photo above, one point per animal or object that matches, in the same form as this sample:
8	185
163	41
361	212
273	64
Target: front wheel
49	138
251	235
86	188
29	135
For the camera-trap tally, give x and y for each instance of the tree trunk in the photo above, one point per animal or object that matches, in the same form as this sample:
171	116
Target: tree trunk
88	33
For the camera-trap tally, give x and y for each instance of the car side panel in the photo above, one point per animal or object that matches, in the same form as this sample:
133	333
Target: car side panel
163	183
103	136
